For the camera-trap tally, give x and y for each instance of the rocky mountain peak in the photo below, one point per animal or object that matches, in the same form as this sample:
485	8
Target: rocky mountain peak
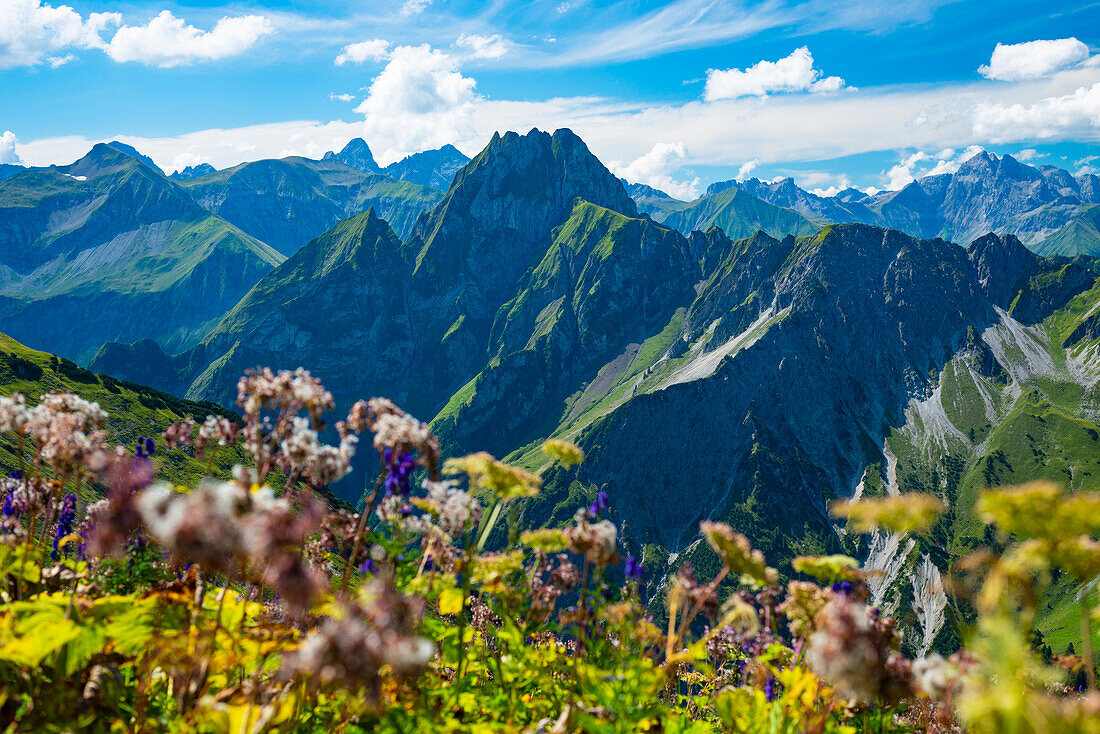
356	154
1002	263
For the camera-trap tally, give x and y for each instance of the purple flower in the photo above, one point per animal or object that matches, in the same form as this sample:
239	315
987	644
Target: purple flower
9	506
772	689
599	504
399	470
634	570
843	587
65	522
369	567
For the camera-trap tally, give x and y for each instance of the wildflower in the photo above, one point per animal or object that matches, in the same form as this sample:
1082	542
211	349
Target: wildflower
485	472
544	540
352	650
598	505
179	433
738	554
369	567
911	512
803	603
851	649
454	508
772	689
66	519
215	430
13	414
286	391
634	570
302	452
595	541
398	470
565	452
400	433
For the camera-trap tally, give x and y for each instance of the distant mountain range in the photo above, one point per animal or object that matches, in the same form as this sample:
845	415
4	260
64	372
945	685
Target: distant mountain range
431	168
748	380
111	244
1049	210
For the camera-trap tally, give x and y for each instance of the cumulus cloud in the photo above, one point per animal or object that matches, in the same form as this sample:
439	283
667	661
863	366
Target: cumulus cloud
412	7
34	32
484	47
1029	154
916	165
793	73
746	168
657	168
7	148
420	100
1076	114
375	49
1034	59
168	41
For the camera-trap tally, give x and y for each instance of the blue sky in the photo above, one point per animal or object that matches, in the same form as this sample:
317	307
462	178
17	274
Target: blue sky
675	94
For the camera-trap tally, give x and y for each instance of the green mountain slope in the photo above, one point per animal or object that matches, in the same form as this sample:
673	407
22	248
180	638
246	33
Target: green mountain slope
289	201
134	410
108	248
739	215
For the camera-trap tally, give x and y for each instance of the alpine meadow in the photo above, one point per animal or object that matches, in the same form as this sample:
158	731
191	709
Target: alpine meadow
583	367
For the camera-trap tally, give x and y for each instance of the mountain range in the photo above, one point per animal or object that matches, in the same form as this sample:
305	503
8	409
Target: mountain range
744	357
748	380
1049	210
112	244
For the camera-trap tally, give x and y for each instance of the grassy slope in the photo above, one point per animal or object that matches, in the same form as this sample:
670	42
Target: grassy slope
739	215
134	410
1040	419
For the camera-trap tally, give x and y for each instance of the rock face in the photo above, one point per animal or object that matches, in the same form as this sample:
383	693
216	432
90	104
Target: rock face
203	169
356	154
433	168
108	248
1045	207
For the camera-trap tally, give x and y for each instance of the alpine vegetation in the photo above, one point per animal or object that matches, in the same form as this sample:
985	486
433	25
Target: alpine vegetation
247	601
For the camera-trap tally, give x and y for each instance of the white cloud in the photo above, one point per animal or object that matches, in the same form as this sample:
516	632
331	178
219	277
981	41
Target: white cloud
375	49
1070	115
946	161
7	148
484	47
420	100
1029	154
746	169
32	32
793	73
1034	59
656	169
412	7
1084	166
167	41
341	97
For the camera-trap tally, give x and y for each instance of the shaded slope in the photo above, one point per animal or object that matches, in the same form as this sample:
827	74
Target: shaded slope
739	215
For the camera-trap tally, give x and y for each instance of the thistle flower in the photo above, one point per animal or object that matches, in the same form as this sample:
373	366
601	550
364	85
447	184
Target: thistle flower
215	430
352	651
852	650
179	433
596	541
